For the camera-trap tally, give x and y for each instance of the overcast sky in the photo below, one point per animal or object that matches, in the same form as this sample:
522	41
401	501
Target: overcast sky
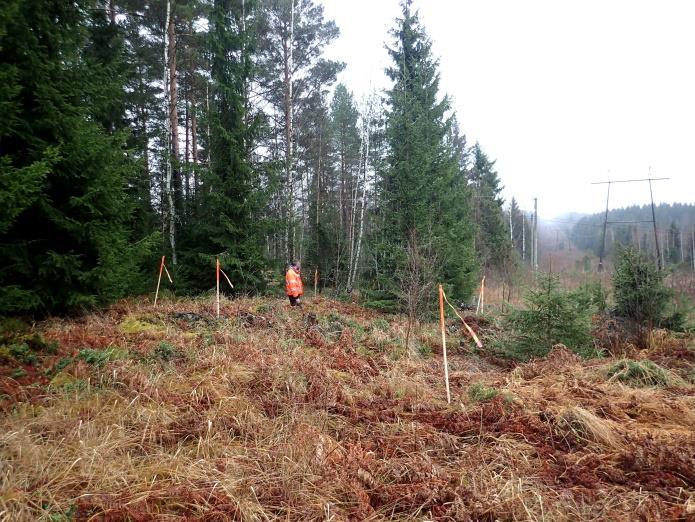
560	93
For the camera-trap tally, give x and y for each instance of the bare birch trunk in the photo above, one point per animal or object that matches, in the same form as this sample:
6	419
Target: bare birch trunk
365	140
353	215
170	199
194	145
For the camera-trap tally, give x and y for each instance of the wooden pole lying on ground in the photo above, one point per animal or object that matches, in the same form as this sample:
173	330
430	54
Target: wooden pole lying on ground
159	280
446	364
217	278
316	281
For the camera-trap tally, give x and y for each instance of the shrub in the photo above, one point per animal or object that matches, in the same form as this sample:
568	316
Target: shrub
593	294
59	366
18	373
638	287
11	325
552	316
22	353
37	343
99	358
481	393
165	352
380	324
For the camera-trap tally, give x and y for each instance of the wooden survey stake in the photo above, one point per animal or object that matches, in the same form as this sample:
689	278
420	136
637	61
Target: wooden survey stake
443	326
217	279
162	268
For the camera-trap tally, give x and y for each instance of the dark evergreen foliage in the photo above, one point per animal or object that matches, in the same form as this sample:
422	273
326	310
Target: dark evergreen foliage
229	223
64	242
266	162
425	200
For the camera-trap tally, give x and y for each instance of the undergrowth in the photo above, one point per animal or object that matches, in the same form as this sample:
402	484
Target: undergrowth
640	373
323	413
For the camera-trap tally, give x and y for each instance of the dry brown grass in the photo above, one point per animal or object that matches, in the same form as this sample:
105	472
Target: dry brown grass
275	413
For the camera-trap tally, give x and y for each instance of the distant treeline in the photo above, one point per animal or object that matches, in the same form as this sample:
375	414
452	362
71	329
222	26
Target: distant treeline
675	231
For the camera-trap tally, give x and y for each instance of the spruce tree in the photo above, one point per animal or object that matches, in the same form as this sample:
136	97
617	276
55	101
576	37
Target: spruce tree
63	166
492	239
229	224
425	200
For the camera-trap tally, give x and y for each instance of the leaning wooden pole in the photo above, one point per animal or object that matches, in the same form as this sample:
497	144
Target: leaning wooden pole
442	325
217	278
482	296
159	280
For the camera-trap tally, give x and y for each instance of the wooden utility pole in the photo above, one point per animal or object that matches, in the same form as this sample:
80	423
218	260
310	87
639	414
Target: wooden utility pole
605	225
523	235
535	233
656	238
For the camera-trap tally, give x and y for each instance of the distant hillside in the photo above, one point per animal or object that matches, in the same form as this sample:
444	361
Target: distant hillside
675	226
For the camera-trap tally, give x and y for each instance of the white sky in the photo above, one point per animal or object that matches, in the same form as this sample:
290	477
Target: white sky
560	93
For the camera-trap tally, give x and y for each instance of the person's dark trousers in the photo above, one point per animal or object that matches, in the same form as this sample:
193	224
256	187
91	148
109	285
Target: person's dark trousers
294	301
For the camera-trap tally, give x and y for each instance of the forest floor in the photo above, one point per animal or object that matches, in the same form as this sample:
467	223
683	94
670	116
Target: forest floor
137	413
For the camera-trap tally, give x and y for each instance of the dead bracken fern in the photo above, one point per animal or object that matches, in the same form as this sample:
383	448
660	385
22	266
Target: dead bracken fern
274	413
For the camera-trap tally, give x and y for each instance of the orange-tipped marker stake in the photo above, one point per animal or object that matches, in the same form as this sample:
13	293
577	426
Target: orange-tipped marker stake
446	364
470	330
227	278
159	280
217	275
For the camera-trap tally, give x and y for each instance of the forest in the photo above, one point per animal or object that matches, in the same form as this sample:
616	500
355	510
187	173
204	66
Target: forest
216	129
632	226
453	356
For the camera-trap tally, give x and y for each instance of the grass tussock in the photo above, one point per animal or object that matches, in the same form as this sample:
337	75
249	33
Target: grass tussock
640	373
324	414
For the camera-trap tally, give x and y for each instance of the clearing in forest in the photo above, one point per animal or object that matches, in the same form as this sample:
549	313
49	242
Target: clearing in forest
135	413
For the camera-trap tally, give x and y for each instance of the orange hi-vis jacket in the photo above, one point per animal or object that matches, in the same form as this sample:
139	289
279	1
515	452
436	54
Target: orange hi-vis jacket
293	283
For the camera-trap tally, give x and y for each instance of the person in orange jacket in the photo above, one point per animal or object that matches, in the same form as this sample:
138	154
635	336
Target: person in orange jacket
293	284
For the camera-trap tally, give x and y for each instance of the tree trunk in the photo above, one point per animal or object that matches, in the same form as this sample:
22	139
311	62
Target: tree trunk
289	116
194	145
112	11
170	199
173	112
187	146
364	201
